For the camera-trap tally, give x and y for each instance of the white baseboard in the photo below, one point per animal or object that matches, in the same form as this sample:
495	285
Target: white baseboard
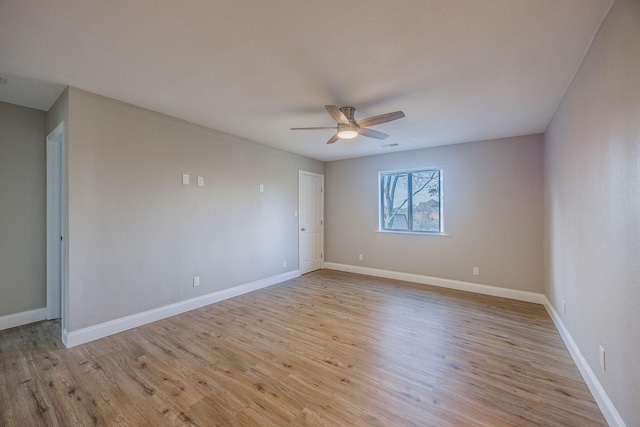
444	283
23	318
65	337
85	335
604	403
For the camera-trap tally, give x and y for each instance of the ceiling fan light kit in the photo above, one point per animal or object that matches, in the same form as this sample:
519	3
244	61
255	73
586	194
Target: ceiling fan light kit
347	127
347	131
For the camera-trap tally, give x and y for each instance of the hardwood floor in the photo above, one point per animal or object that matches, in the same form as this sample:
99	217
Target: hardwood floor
326	349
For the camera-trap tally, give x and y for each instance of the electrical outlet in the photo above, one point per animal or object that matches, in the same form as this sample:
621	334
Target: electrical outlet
603	359
196	281
476	271
360	257
262	188
284	264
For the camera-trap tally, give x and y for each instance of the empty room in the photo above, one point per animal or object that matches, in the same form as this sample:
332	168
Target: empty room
365	213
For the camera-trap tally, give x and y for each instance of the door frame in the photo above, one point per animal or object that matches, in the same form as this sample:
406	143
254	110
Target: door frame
321	176
56	182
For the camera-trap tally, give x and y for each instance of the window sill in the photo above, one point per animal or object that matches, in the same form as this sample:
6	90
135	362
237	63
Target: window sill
412	232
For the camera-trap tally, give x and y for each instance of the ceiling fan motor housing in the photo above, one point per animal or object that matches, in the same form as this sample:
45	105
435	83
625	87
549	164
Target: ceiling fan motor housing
349	113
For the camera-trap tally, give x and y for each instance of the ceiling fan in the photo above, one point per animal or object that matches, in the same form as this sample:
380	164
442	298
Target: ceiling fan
348	127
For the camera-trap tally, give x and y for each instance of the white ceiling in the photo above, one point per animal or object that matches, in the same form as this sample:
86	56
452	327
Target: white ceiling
461	70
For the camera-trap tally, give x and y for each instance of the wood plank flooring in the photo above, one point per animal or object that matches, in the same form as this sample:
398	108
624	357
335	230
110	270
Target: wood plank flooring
326	349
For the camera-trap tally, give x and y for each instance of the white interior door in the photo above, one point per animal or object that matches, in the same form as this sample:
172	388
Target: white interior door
55	146
310	221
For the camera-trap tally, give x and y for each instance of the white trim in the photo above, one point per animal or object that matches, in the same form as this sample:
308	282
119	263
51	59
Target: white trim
443	283
417	233
85	335
65	337
604	403
23	318
55	179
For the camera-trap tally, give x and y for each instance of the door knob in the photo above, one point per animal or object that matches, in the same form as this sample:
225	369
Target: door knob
303	229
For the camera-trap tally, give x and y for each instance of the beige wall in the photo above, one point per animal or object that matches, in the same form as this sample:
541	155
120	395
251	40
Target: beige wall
59	111
592	188
137	236
22	209
492	209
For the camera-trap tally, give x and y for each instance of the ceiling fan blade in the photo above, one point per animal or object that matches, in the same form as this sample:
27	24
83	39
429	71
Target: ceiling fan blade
372	133
337	115
382	118
333	139
316	128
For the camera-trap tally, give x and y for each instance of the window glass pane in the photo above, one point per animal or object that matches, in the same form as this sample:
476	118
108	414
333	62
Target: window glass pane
395	201
426	200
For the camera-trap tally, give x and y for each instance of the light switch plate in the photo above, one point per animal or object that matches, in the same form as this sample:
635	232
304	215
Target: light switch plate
200	181
185	179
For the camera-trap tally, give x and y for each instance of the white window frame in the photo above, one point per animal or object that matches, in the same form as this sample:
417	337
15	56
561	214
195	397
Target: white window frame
381	228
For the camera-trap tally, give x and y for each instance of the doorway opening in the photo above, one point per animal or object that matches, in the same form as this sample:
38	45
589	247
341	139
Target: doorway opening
55	214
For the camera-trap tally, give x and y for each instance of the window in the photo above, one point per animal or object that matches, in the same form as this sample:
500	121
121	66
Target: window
411	201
